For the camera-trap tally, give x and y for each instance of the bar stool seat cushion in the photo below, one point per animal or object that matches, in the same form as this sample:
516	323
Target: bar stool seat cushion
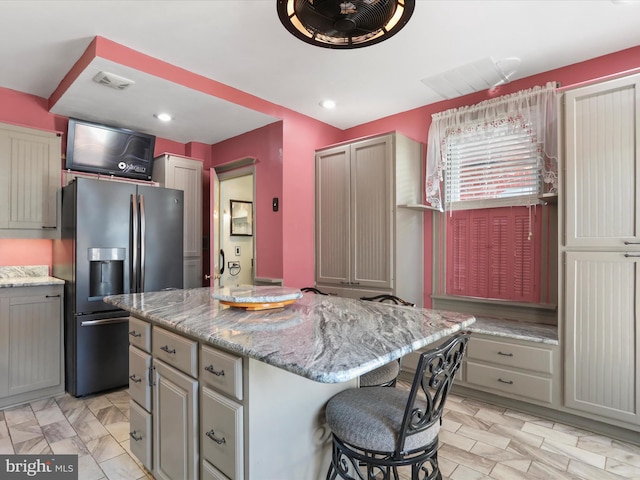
371	418
381	375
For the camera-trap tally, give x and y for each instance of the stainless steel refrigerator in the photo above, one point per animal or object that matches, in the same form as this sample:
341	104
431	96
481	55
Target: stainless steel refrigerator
116	238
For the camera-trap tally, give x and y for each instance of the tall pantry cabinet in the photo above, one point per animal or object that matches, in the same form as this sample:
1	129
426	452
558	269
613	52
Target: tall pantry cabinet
182	173
367	242
602	251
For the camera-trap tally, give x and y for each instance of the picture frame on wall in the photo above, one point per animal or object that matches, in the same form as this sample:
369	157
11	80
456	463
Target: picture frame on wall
241	218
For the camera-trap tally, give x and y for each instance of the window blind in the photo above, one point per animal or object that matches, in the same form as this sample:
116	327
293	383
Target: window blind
499	164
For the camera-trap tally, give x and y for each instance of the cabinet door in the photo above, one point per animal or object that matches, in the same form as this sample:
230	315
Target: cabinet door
371	200
602	162
333	216
603	335
30	160
175	431
31	335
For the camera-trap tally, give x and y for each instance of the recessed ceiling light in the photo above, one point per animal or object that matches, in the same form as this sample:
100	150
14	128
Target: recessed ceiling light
163	117
328	104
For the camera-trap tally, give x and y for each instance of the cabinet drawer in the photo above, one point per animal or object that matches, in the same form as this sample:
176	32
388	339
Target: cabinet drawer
221	370
221	433
511	355
175	350
140	434
140	334
504	380
139	388
209	472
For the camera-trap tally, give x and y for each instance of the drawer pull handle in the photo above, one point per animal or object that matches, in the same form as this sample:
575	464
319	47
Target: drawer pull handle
170	351
217	373
135	379
133	333
212	435
508	382
136	436
505	354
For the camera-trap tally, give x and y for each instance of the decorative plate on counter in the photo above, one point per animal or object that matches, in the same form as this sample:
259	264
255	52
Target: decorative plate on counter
251	297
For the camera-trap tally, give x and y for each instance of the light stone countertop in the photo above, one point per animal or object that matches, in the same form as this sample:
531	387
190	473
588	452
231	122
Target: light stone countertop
27	276
532	332
324	338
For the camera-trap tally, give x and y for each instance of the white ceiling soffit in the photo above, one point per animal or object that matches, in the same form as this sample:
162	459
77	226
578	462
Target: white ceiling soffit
196	116
473	77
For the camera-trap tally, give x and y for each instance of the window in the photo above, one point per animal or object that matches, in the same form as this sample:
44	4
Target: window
493	162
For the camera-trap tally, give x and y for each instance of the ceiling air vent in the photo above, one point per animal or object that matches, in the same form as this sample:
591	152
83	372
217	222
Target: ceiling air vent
112	80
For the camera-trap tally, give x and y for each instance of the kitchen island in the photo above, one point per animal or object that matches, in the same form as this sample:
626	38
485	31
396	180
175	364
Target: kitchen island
280	368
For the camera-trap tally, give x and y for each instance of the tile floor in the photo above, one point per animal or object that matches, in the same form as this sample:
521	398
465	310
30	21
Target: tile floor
478	441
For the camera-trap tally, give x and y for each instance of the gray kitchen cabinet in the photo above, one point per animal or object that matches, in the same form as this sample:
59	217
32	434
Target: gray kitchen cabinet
164	401
182	173
175	427
31	339
601	251
366	242
30	160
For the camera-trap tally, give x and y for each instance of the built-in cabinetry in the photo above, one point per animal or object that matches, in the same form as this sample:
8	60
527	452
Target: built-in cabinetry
30	164
513	368
198	411
164	401
601	251
31	338
173	171
366	242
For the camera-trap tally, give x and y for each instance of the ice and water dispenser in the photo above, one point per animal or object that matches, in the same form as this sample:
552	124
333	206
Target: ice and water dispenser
106	274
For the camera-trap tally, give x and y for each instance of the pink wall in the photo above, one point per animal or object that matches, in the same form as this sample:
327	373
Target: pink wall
16	252
265	144
415	123
299	138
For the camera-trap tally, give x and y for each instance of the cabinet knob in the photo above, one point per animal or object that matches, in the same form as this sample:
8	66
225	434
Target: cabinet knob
207	276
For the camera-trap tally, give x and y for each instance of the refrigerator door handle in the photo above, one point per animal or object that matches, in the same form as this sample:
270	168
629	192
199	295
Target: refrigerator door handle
134	243
143	240
106	321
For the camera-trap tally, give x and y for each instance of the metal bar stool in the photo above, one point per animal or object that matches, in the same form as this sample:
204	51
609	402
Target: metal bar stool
312	290
386	375
377	430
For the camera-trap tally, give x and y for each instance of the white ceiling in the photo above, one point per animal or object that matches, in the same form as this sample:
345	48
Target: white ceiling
241	43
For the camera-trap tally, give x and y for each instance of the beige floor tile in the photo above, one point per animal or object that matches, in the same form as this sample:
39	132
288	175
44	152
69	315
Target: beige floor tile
551	459
483	435
458	441
547	472
88	469
70	446
462	457
6	447
466	473
119	431
517	436
506	472
498	455
623	469
57	431
109	415
97	403
42	404
122	468
89	430
584	470
51	414
574	453
34	446
549	433
4	430
18	415
25	431
104	448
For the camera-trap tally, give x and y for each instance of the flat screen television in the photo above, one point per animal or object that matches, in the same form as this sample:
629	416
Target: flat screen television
96	148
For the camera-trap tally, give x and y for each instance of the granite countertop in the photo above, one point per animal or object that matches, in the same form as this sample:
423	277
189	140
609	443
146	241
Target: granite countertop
27	276
532	332
324	338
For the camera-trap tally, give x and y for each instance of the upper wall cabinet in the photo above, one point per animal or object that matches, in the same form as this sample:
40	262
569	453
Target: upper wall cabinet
185	174
30	163
365	243
603	164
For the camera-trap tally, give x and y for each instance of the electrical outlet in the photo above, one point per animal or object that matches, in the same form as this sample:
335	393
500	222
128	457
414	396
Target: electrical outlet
237	251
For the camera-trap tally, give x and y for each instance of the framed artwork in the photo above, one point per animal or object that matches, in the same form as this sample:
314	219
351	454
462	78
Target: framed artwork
241	218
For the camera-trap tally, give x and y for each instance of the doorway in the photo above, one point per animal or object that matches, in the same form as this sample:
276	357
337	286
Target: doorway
233	232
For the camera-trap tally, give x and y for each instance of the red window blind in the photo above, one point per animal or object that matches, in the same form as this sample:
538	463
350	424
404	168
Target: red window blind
495	253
